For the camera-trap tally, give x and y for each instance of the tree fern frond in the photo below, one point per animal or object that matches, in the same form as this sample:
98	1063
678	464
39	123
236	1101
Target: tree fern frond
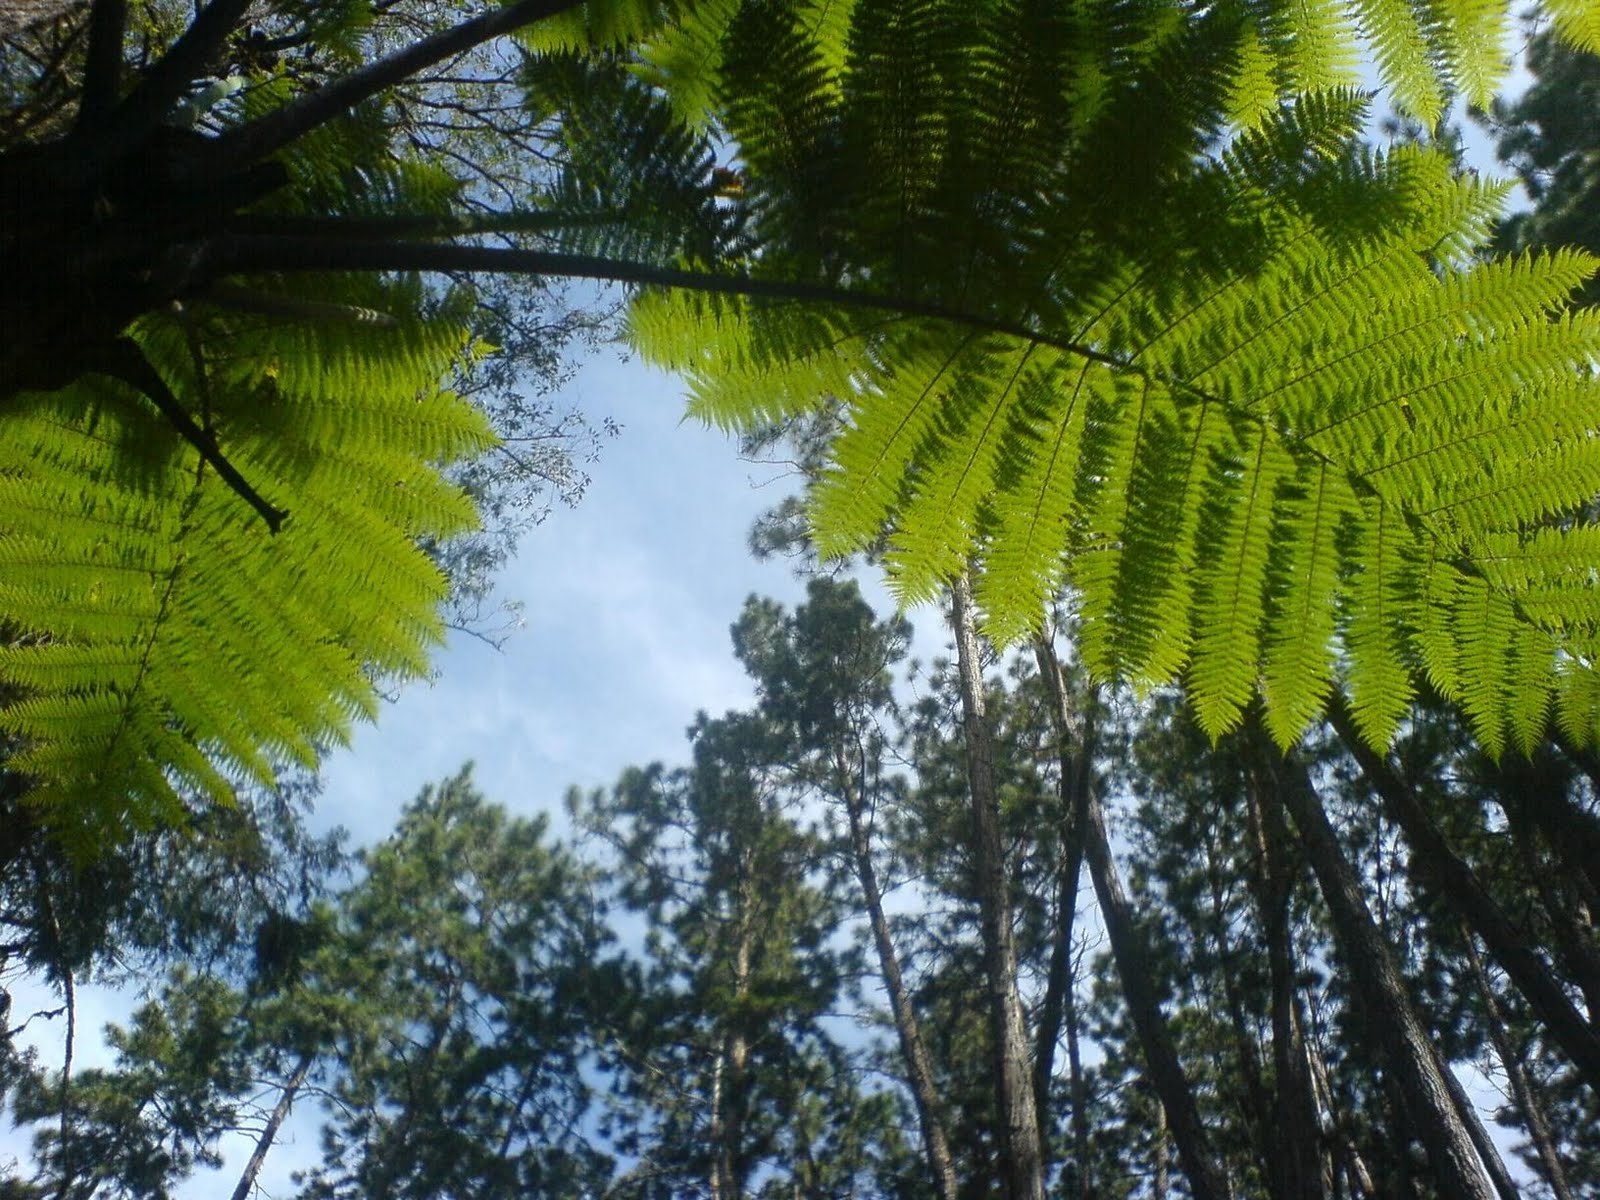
1024	556
883	435
1577	22
684	61
1197	393
1577	686
1375	636
1485	629
1302	608
160	642
1401	51
1133	574
1253	92
1317	46
1236	530
1531	690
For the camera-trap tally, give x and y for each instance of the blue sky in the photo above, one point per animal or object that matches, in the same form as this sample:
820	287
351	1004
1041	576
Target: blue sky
627	602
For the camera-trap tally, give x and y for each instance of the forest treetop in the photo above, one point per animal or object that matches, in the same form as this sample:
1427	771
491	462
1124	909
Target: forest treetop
1110	296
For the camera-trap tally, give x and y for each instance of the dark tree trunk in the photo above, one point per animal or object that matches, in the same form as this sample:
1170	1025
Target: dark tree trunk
1441	869
1297	1160
1522	1092
1019	1128
1132	958
1076	756
919	1066
1488	1153
1392	1019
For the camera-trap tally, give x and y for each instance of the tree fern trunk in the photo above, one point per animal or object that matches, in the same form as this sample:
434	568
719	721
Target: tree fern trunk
1019	1128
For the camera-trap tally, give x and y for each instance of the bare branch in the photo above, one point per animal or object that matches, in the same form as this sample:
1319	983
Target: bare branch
269	133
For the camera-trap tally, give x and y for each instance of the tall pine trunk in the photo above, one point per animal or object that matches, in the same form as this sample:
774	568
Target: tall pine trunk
1296	1157
1441	869
269	1131
1075	777
919	1066
1019	1124
733	1054
1522	1092
1399	1033
1132	957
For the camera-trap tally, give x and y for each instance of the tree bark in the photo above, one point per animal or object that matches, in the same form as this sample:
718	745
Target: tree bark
1522	1092
1075	778
17	15
1019	1128
1439	866
727	1116
1297	1160
1573	946
1138	988
919	1066
269	1132
1488	1153
1399	1033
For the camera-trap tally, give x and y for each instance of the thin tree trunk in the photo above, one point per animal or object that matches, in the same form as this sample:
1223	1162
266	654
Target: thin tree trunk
1264	1130
269	1133
1522	1092
919	1066
1393	1021
1297	1157
1138	988
1019	1127
1438	864
733	1059
1355	1166
1158	1153
1076	756
1488	1153
1083	1180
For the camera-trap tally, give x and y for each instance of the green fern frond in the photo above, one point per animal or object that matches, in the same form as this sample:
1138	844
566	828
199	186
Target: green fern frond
1401	52
1253	92
1577	22
1302	606
1378	670
162	644
1216	363
1236	529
